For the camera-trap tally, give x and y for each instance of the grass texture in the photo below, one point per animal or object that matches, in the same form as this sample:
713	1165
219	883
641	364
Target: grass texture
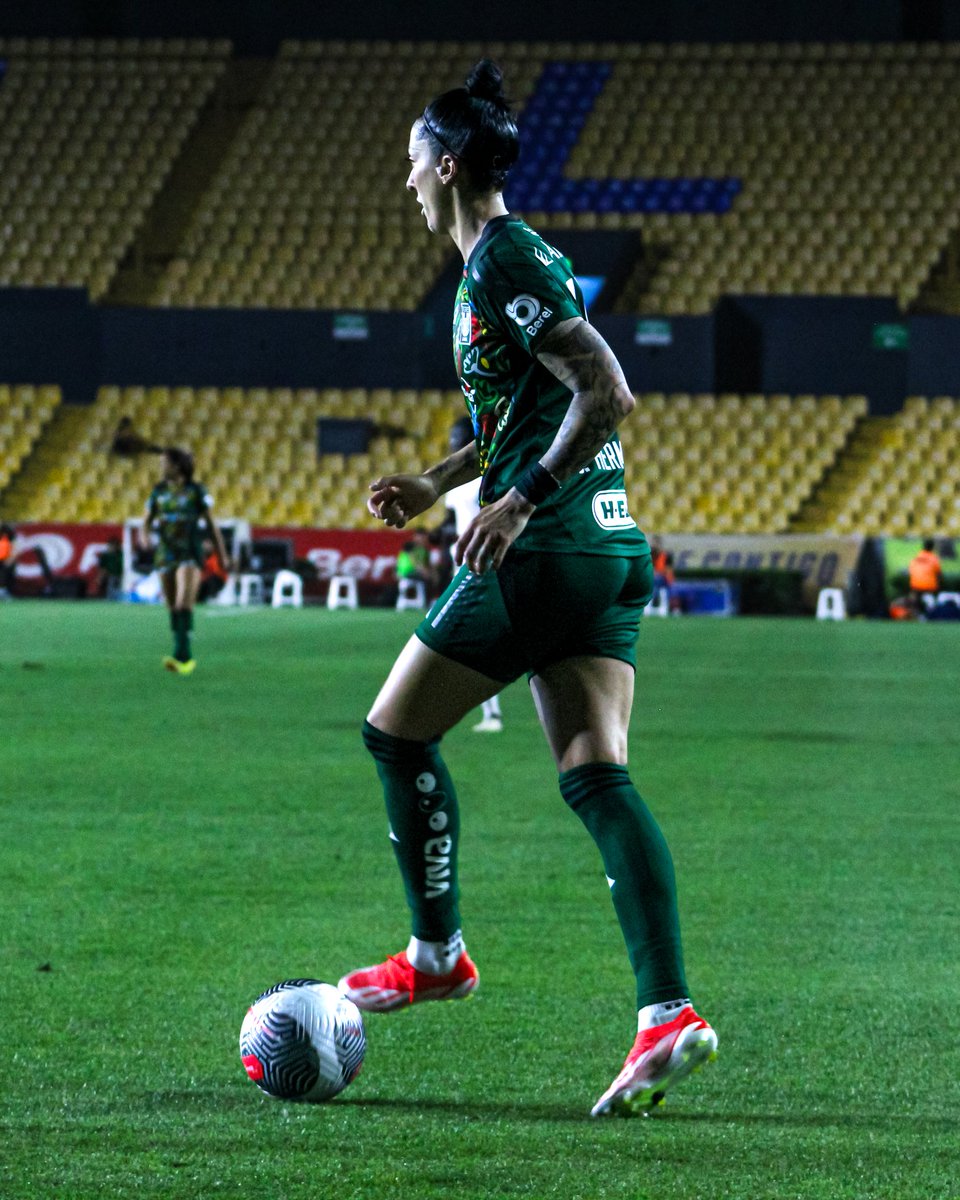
169	847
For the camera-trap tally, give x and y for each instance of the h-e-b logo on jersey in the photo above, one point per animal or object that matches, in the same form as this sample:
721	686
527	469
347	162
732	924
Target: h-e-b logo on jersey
526	311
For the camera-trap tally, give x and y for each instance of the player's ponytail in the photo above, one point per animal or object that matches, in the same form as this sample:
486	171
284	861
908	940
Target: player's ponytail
476	125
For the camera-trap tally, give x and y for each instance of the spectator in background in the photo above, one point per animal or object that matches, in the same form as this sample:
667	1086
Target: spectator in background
663	576
413	561
109	574
926	575
8	560
213	577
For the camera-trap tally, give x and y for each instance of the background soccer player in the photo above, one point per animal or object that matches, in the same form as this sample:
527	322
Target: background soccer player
464	503
180	512
554	577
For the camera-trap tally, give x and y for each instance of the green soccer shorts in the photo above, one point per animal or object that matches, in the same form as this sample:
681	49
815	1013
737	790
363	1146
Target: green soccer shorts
540	608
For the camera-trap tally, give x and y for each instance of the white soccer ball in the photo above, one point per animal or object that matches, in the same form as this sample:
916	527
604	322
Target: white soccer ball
302	1040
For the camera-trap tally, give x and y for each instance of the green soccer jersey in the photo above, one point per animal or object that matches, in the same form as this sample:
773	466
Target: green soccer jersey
515	288
177	514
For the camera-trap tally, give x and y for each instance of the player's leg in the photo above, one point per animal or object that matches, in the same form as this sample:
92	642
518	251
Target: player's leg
187	578
443	672
584	706
168	585
425	694
491	720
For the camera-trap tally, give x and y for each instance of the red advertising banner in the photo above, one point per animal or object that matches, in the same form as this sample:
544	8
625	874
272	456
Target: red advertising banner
71	550
369	555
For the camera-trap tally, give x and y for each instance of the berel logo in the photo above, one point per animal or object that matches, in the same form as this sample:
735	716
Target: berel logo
523	309
534	329
610	510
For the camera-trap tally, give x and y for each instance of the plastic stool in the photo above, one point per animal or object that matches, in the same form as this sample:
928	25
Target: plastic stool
411	593
831	605
342	592
287	590
249	590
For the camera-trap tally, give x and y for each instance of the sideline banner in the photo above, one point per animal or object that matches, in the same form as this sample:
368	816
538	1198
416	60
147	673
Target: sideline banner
823	560
369	555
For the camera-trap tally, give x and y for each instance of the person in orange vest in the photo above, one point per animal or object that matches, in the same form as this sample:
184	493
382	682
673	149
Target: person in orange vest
663	575
8	560
926	573
214	575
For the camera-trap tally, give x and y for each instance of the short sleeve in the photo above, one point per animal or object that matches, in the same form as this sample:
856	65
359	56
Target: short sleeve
526	299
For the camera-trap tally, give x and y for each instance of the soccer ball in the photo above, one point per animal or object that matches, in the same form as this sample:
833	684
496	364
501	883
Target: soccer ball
302	1040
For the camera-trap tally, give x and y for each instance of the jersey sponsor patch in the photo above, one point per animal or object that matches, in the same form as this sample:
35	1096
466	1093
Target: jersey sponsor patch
610	510
523	309
464	325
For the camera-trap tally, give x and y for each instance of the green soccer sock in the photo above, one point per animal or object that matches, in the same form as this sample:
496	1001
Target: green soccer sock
424	828
182	624
640	872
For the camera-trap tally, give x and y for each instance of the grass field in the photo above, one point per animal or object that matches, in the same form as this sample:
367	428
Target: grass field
169	847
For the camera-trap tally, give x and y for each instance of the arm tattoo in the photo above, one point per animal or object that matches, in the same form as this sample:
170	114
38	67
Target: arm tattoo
460	467
579	357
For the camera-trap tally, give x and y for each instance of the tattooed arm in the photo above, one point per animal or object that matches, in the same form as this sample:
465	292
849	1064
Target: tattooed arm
579	357
397	499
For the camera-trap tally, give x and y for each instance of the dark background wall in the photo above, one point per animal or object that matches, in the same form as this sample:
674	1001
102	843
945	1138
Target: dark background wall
816	344
257	25
751	344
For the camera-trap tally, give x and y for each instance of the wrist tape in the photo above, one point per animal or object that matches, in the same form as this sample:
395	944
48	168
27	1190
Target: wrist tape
536	484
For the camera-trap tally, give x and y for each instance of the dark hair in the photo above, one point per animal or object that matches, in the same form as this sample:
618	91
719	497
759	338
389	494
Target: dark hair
182	460
929	544
474	123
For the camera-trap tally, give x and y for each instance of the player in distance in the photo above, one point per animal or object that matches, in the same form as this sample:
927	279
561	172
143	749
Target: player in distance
553	577
180	513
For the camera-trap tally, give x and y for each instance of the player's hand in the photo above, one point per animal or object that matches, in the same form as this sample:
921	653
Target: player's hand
491	533
397	499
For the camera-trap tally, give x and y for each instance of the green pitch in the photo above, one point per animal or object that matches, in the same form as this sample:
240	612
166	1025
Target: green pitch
171	846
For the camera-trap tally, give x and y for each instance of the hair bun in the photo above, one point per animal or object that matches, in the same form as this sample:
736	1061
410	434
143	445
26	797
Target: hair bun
485	82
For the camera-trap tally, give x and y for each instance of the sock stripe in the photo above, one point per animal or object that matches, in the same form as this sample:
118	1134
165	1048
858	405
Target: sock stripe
580	783
394	751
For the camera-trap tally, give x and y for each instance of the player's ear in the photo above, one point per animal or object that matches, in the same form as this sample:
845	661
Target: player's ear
448	168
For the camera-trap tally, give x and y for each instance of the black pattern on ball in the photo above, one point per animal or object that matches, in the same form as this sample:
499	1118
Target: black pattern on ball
302	1040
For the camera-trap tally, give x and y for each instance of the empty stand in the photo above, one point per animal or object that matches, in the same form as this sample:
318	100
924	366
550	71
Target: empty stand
308	209
256	451
25	413
750	168
88	133
695	462
898	476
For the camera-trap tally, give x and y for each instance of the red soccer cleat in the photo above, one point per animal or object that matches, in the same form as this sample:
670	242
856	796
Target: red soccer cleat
396	984
661	1056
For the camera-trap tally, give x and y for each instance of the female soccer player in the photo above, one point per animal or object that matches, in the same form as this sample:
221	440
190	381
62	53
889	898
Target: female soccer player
554	575
180	512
